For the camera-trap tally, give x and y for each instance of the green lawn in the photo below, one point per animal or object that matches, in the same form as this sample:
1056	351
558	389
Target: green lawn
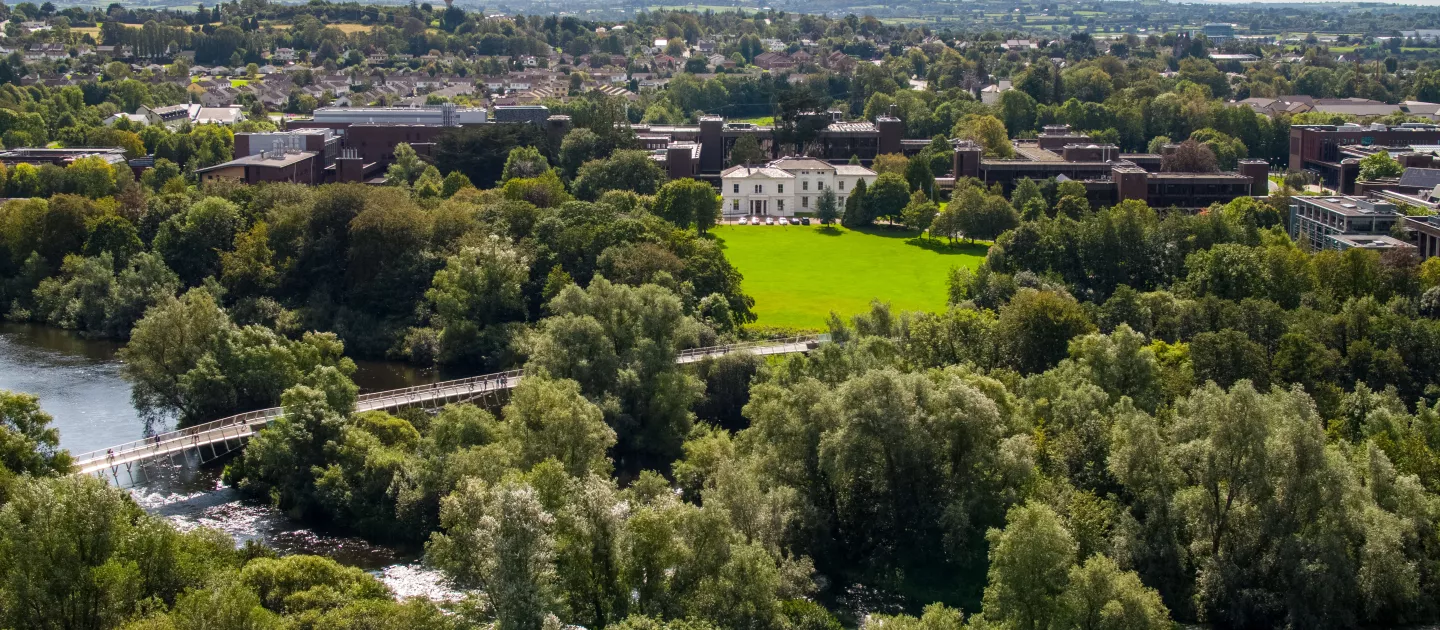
799	274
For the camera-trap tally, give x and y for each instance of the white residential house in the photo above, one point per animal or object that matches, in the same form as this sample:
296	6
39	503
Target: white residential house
747	190
51	51
787	186
990	94
847	176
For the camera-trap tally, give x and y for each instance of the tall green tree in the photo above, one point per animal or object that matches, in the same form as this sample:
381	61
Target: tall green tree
918	174
406	168
857	214
524	162
28	444
827	207
624	170
887	197
746	151
687	201
620	343
480	290
1030	564
498	539
1100	596
1379	165
919	213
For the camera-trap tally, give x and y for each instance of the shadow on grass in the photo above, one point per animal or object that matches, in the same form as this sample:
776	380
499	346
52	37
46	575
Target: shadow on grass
940	246
887	231
912	237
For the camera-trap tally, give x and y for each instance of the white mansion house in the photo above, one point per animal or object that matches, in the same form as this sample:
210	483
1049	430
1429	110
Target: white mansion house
787	186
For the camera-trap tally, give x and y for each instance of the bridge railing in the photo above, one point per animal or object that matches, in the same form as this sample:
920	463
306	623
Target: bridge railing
750	345
271	413
438	385
440	389
239	419
415	393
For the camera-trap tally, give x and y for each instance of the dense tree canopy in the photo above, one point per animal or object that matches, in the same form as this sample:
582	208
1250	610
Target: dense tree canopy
1125	417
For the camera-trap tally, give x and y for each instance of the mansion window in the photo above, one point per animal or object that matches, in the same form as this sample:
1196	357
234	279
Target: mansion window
842	184
759	188
780	205
780	188
805	185
737	189
804	202
735	203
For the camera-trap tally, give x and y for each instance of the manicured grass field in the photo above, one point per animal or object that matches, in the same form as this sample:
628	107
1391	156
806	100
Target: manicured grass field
799	274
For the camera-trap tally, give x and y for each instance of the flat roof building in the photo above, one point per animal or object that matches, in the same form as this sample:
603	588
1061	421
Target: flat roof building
1424	232
1315	221
447	115
294	166
536	114
60	157
1110	176
1333	152
1380	243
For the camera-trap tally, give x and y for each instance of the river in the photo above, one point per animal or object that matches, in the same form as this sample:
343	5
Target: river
79	384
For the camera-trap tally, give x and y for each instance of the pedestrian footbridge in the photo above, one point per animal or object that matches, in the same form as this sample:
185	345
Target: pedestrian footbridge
214	439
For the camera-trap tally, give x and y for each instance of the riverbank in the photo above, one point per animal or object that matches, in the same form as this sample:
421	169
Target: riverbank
191	498
79	384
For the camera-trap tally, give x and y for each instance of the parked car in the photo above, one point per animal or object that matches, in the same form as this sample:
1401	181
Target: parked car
769	220
805	220
784	221
744	220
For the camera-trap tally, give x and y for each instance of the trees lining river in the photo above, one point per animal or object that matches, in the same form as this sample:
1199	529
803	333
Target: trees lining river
78	382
